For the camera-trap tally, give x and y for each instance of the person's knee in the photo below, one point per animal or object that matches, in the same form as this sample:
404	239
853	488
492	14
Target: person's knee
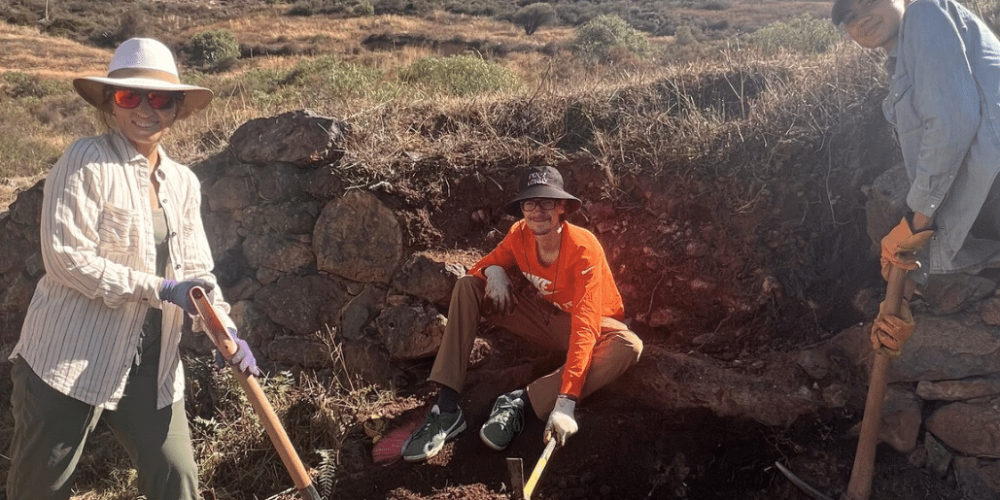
169	474
633	347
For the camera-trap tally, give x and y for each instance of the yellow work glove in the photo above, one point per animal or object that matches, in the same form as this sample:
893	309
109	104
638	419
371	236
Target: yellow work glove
899	247
890	332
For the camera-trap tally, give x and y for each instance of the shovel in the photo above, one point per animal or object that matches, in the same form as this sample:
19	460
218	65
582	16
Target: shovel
261	406
860	485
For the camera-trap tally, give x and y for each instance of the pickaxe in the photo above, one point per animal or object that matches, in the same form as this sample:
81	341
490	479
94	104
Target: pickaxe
522	490
860	485
224	343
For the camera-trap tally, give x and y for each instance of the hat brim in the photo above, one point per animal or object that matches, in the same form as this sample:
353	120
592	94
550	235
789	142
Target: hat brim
196	98
542	191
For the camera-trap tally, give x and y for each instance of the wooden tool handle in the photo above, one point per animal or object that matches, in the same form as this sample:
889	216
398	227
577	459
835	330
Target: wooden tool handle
261	406
537	472
860	486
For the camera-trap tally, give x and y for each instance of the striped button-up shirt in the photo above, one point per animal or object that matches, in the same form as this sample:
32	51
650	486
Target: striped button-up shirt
81	332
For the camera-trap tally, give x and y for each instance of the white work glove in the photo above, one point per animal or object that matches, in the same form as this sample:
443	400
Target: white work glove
499	298
561	421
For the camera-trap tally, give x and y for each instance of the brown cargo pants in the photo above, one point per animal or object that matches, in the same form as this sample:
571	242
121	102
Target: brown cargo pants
538	321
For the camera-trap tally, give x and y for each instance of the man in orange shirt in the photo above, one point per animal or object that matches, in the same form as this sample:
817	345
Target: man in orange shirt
573	306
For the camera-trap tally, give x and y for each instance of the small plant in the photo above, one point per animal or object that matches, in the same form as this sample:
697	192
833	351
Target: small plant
595	39
364	9
804	34
459	75
16	84
216	49
534	16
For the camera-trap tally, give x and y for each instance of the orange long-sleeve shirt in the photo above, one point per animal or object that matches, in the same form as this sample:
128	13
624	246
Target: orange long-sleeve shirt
579	283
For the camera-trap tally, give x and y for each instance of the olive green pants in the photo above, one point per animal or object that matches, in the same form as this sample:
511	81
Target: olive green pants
538	321
50	430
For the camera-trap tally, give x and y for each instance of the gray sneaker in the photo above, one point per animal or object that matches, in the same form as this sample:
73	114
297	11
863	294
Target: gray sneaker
428	440
505	423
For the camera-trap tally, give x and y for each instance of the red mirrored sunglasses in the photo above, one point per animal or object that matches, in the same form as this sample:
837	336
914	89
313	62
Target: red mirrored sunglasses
131	99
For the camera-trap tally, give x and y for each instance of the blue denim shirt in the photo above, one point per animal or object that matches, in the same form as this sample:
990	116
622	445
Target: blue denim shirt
944	103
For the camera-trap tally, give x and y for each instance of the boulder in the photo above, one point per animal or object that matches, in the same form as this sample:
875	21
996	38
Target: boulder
360	311
285	253
429	276
299	137
303	304
941	348
359	238
411	330
901	419
950	293
978	479
970	428
959	390
287	217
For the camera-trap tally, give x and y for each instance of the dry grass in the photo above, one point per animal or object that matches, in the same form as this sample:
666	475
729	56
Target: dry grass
27	50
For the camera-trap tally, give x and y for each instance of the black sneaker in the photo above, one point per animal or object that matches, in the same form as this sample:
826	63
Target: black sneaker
505	423
428	440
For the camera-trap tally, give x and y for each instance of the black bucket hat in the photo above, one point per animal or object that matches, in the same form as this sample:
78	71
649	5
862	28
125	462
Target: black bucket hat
542	182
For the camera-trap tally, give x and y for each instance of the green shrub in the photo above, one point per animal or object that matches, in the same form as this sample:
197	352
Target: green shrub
364	9
716	5
16	84
329	76
595	39
803	34
531	17
217	49
459	75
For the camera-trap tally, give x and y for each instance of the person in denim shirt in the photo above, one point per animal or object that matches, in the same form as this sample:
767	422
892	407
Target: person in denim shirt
944	105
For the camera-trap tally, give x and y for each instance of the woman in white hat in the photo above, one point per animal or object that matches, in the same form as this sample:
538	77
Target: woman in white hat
122	242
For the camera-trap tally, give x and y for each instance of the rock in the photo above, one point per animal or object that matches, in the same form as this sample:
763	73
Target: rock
773	395
950	293
959	390
278	182
970	428
298	137
360	312
359	238
222	232
244	289
285	253
428	276
938	457
253	325
411	331
901	419
368	361
978	479
989	311
941	348
886	203
17	294
230	194
288	217
309	353
303	304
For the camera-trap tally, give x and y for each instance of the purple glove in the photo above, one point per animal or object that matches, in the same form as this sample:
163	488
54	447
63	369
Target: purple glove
242	359
176	292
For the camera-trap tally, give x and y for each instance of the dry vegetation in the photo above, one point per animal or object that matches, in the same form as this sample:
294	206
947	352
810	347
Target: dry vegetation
735	112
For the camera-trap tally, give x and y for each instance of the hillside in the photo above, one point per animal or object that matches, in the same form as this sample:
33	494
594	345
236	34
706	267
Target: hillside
727	185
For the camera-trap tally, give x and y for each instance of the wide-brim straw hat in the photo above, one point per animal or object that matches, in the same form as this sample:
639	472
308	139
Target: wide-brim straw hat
145	64
541	182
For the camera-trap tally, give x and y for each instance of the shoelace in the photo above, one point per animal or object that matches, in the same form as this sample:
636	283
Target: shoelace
431	426
506	409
